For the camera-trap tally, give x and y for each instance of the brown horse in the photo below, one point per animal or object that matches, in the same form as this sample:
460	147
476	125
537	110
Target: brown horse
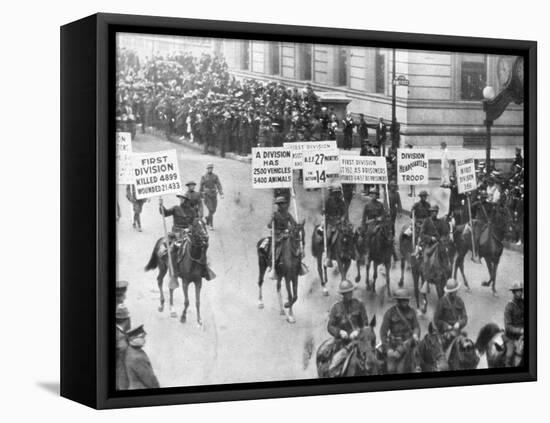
490	245
430	352
189	261
361	357
343	250
375	245
288	267
406	251
462	354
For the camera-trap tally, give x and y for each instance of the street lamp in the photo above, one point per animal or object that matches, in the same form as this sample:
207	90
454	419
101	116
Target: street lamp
488	95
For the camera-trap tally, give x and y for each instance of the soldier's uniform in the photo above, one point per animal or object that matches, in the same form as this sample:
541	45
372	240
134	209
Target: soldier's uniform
433	228
283	221
482	210
183	216
137	205
210	187
449	311
395	206
421	210
121	345
398	326
373	209
346	317
513	326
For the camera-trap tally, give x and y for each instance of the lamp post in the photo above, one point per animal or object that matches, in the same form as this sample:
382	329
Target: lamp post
488	95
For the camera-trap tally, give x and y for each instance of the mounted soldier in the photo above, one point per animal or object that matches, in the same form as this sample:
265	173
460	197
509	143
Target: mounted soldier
482	209
450	314
182	214
513	323
399	333
372	213
335	214
352	339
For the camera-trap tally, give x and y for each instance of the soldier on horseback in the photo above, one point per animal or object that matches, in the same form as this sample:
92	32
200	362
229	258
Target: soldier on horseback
513	322
182	214
450	314
433	229
372	213
482	209
335	213
347	319
399	330
420	211
195	199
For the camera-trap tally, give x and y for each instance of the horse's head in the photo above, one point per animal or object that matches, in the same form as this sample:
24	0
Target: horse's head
199	234
367	348
466	353
431	351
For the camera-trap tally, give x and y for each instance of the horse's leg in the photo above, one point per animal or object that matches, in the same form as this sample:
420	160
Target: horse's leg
374	275
416	276
367	268
358	264
294	287
388	266
198	286
490	270
262	267
280	297
459	264
185	287
160	279
402	278
172	311
322	274
439	287
494	276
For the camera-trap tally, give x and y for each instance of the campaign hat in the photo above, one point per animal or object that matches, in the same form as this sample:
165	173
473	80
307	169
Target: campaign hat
280	200
345	286
401	294
451	286
191	183
423	193
122	312
516	286
136	331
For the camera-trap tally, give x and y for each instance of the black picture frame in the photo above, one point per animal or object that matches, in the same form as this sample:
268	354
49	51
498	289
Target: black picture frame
88	211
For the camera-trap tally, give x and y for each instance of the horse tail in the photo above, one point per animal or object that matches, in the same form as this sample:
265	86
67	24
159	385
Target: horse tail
485	335
153	261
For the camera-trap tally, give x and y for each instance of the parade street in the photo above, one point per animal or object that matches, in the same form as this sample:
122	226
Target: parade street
238	342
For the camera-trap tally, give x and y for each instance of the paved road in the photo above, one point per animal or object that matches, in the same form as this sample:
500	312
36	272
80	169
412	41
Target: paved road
238	342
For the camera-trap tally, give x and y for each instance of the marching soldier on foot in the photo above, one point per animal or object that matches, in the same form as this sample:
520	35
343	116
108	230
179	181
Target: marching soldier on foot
450	314
399	330
137	206
513	322
195	199
209	188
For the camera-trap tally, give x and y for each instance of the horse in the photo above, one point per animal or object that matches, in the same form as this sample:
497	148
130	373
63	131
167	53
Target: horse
360	356
431	355
343	248
375	245
462	353
490	245
490	341
189	265
408	362
287	267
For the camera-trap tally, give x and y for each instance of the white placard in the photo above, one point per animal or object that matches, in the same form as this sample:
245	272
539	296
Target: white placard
124	174
321	169
466	175
156	174
298	149
271	167
363	169
412	166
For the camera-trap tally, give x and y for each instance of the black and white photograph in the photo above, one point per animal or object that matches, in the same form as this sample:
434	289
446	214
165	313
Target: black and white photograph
291	211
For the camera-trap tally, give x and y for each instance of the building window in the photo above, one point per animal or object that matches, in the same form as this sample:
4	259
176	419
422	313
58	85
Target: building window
342	74
305	55
245	56
275	59
473	77
380	72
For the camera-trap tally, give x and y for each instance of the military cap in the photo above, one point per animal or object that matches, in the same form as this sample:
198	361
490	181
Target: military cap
136	331
210	166
280	200
401	294
191	183
451	286
423	193
184	195
345	286
122	312
516	286
121	284
435	207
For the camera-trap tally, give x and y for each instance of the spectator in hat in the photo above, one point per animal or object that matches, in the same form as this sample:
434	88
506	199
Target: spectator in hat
348	124
514	326
138	366
381	135
122	317
363	130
